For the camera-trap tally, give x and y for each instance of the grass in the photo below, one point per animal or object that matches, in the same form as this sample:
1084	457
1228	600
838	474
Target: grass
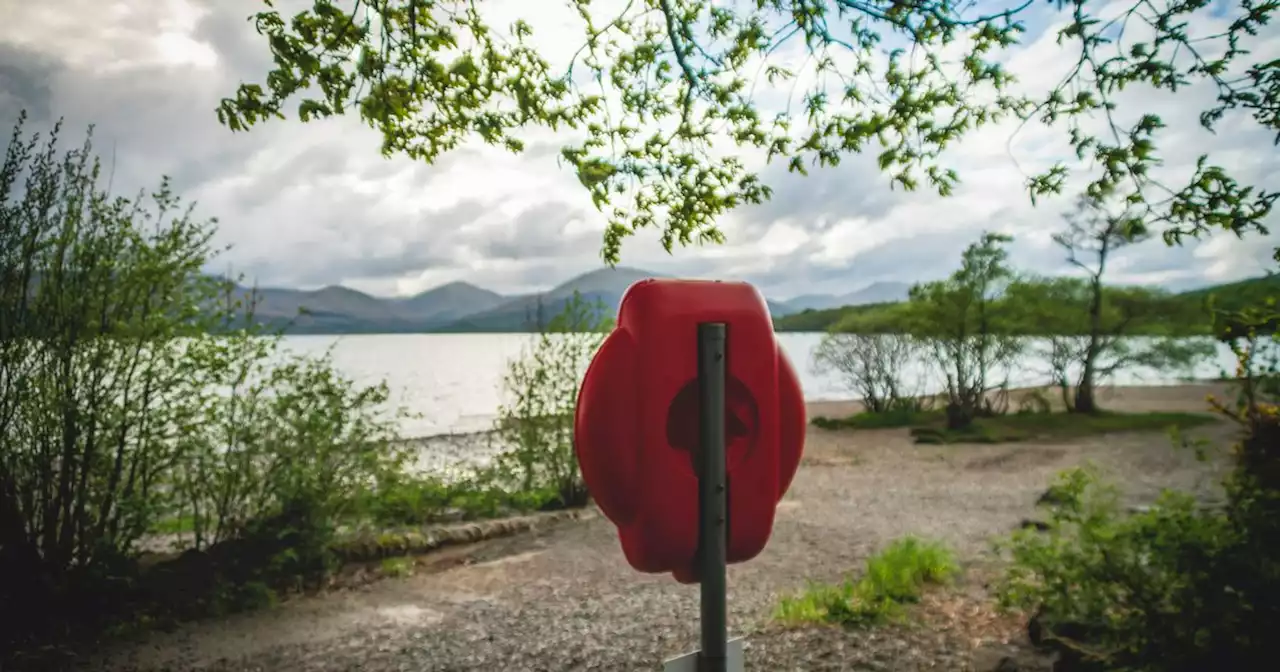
182	524
397	567
1036	426
895	577
929	427
886	420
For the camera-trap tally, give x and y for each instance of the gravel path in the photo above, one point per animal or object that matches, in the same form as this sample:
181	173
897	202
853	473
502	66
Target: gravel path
566	600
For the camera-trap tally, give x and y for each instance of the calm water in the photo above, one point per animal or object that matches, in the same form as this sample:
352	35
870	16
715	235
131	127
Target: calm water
453	380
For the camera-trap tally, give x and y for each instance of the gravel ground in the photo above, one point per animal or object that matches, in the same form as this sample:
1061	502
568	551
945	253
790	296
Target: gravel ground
566	600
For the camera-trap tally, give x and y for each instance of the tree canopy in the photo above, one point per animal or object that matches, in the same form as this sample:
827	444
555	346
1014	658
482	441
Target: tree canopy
667	108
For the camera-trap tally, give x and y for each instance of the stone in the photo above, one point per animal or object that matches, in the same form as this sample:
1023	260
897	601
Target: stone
1007	664
1028	523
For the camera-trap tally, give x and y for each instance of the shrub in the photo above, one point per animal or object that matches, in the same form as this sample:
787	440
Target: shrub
275	430
1148	591
135	394
1177	587
542	391
873	366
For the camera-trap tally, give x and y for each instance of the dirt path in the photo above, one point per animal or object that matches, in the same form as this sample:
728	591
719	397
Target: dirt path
566	600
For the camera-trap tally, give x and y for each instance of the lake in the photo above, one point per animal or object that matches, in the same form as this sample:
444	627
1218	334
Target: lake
453	381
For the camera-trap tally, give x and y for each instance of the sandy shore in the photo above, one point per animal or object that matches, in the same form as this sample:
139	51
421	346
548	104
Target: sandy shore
566	600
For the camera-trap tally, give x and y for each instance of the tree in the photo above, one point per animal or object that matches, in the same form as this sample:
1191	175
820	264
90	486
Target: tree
661	91
1094	233
1091	324
1131	327
536	423
658	94
968	328
874	366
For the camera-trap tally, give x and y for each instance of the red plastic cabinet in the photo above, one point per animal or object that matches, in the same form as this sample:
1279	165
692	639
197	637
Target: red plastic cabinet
636	427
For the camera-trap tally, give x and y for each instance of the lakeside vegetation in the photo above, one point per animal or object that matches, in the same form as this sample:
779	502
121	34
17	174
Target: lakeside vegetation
1028	424
162	462
108	426
1161	313
895	577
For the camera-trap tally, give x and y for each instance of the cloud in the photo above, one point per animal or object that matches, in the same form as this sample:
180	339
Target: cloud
316	204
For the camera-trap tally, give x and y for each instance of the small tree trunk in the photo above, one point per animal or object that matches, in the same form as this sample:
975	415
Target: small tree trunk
1084	395
959	416
1085	402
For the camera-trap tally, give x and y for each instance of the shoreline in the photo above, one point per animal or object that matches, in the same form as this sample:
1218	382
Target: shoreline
520	601
827	406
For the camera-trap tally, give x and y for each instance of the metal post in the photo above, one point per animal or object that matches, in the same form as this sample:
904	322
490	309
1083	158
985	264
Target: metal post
712	511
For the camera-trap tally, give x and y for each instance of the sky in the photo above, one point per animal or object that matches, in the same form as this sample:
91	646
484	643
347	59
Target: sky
315	204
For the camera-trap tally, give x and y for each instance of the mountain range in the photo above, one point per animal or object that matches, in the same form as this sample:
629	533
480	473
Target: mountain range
464	307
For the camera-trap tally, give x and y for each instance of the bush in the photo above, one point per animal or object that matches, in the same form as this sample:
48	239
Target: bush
275	430
136	394
537	422
421	499
1158	590
894	577
1177	587
874	367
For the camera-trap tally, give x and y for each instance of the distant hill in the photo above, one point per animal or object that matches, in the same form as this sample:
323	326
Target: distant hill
879	292
342	310
450	302
1238	295
328	310
521	313
457	307
822	320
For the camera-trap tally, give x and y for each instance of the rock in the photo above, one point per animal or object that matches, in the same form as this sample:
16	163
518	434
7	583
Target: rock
1007	664
1052	497
1035	629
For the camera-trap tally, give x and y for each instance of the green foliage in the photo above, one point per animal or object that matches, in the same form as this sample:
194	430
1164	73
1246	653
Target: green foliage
1150	311
658	90
1229	304
1179	586
890	419
418	499
873	366
966	329
1175	587
1093	331
542	388
1168	57
121	415
663	91
396	567
1125	311
267	429
827	319
1055	426
894	577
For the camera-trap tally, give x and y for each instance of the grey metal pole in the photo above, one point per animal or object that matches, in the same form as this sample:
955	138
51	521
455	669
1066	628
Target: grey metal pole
712	513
